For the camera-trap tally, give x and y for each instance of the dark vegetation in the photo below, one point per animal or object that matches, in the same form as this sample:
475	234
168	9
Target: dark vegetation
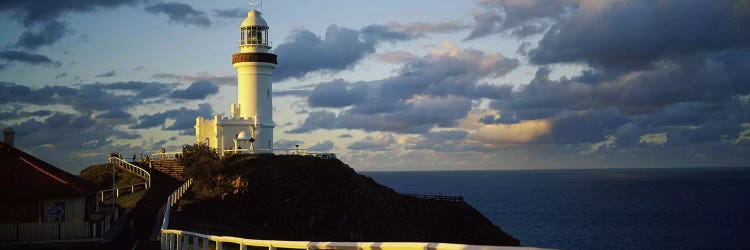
306	198
101	176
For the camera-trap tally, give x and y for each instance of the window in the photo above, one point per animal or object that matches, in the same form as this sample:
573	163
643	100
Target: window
268	93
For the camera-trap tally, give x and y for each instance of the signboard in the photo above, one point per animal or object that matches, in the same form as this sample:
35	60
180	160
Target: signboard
56	211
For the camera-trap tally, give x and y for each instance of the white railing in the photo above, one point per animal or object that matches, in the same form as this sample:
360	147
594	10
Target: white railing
288	151
132	168
179	239
173	199
116	191
165	155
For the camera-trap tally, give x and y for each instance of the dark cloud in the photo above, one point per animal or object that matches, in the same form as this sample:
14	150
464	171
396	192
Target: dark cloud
380	143
181	13
87	97
443	141
61	75
305	52
231	13
30	12
708	78
316	120
184	119
435	90
11	115
341	48
336	94
322	147
521	18
345	136
47	14
12	56
196	91
291	92
637	33
110	73
115	114
79	131
51	32
417	117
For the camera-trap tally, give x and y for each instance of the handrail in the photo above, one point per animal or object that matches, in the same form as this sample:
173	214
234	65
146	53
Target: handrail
173	199
116	190
132	168
179	239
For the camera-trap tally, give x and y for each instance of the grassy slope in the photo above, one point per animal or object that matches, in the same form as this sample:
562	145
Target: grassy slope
101	176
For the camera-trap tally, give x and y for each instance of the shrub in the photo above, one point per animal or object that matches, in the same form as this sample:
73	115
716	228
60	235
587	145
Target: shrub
201	163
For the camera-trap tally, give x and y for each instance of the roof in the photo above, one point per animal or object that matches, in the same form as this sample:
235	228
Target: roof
23	175
254	19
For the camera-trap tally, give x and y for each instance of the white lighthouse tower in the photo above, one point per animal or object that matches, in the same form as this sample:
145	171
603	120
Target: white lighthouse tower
250	126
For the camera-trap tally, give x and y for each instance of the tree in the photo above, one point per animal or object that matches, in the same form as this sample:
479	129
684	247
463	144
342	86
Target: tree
201	163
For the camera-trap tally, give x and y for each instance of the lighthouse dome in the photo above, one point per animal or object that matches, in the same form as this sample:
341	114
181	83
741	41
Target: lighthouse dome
244	135
254	19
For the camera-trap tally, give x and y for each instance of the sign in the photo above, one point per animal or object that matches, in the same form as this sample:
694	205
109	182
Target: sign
56	211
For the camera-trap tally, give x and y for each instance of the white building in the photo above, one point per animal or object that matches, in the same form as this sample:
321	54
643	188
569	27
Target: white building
250	126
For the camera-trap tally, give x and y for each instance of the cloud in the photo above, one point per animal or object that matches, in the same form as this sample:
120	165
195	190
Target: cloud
435	90
220	80
110	73
231	13
322	147
341	48
396	57
180	13
196	91
291	92
61	75
15	114
12	56
87	98
336	94
184	118
286	144
608	35
316	120
345	136
379	143
51	32
305	52
47	14
521	18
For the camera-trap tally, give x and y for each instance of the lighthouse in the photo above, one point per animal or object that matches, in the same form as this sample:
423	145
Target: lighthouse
250	127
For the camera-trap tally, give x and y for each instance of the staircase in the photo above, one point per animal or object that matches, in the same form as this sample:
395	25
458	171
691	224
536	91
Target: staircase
170	167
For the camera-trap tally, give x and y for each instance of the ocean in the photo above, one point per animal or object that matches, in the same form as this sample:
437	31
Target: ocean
685	208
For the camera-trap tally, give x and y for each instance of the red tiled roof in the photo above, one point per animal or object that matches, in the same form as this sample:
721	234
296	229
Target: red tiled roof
23	175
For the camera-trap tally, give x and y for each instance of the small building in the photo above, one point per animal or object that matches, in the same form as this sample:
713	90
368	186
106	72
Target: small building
34	195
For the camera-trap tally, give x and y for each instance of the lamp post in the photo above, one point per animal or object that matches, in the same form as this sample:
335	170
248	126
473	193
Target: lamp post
113	188
296	151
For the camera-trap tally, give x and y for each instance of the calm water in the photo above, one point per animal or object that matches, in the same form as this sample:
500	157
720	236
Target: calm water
601	209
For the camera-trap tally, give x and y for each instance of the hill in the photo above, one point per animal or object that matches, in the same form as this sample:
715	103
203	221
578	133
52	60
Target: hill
307	198
101	176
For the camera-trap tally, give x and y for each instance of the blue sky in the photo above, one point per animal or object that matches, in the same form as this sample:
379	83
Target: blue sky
391	85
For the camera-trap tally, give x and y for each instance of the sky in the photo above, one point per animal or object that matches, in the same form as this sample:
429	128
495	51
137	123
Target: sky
391	85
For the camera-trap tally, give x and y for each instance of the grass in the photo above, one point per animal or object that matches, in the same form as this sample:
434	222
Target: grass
101	176
127	200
